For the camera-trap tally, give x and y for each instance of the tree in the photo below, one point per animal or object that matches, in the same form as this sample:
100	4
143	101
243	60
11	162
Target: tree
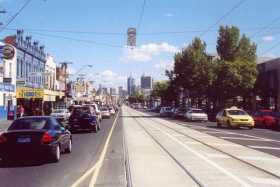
192	70
236	70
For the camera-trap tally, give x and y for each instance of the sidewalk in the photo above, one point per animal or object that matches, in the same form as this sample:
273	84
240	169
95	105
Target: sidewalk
4	124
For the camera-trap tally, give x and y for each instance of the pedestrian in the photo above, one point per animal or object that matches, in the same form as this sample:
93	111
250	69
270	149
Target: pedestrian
21	111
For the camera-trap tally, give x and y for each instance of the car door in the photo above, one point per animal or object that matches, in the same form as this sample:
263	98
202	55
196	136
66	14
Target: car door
224	118
60	133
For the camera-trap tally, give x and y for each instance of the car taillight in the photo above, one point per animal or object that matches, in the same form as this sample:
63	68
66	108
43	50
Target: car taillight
46	138
3	139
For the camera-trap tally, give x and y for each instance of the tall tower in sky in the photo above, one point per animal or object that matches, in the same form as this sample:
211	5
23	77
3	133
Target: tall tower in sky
130	85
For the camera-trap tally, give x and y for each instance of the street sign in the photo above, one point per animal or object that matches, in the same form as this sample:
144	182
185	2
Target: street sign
8	52
7	80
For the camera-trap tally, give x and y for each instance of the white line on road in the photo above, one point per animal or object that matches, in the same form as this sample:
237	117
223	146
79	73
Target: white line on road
99	163
223	170
264	147
265	181
241	138
257	158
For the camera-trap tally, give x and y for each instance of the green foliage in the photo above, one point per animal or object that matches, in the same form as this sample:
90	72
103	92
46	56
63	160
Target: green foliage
137	97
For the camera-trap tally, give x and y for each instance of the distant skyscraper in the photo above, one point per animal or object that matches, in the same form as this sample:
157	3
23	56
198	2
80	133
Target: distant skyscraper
113	91
120	91
130	85
146	82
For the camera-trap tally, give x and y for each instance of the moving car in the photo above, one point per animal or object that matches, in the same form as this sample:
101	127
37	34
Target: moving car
84	118
105	113
43	136
234	117
166	112
194	114
61	114
97	111
265	118
112	111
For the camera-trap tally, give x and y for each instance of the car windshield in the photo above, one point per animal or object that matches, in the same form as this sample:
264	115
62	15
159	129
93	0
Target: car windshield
29	123
236	112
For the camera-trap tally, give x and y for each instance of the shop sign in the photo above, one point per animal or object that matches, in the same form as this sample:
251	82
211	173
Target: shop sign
28	93
7	87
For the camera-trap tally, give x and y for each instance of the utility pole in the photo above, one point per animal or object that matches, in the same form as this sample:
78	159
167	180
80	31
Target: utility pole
65	65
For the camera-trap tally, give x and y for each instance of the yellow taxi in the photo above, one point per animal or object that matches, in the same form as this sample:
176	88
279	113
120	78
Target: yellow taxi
234	117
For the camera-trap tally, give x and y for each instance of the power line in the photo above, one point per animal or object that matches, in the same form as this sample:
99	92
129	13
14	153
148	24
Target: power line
266	27
271	48
223	17
124	34
141	15
79	40
15	15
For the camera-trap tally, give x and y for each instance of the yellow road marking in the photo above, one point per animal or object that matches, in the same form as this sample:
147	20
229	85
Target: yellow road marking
99	163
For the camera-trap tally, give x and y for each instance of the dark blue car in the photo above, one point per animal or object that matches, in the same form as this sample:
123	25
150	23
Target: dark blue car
84	118
39	136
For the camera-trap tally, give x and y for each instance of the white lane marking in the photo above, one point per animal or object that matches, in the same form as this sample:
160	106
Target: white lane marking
255	158
223	170
96	165
215	155
225	145
103	153
240	138
234	133
264	181
216	132
263	147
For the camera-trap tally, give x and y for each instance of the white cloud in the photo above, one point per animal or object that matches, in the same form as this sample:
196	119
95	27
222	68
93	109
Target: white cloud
146	52
268	38
111	78
164	65
168	15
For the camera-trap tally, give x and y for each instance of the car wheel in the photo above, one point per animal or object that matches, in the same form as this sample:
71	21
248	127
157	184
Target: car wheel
56	154
251	127
69	147
229	125
95	128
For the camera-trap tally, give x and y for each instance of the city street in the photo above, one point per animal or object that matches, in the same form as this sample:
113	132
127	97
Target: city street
162	152
86	152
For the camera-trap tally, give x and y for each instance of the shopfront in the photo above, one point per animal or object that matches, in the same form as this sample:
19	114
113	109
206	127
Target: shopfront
31	99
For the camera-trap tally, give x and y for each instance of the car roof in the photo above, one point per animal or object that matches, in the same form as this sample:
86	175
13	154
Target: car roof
36	117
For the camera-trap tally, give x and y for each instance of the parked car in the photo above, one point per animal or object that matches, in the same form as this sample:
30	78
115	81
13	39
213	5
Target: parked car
195	114
84	118
40	136
234	117
61	114
105	112
265	118
179	113
166	112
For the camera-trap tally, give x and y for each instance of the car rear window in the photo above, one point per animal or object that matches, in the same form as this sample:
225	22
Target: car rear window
32	123
237	112
197	111
81	110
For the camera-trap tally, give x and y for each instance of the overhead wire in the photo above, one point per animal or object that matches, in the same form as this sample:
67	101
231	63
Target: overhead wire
15	15
141	15
236	6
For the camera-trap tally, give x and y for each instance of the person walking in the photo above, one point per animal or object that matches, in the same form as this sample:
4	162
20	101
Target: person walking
21	111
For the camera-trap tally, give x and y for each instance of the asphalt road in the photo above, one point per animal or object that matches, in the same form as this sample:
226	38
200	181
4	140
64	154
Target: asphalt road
86	151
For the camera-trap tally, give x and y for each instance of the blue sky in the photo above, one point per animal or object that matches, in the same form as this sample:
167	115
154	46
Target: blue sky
154	52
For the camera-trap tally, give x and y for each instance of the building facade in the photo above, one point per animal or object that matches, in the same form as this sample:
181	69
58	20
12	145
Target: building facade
30	67
268	85
8	88
146	82
131	85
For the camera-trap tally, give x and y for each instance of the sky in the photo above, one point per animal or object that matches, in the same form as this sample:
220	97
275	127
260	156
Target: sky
91	32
